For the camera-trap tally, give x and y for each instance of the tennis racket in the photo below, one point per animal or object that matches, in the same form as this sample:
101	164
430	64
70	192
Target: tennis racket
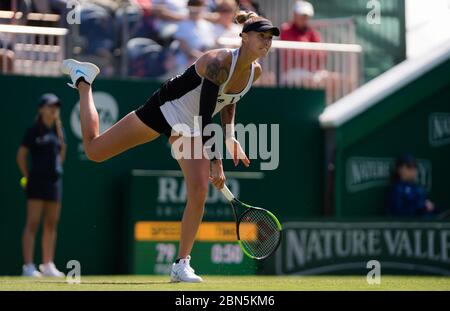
258	230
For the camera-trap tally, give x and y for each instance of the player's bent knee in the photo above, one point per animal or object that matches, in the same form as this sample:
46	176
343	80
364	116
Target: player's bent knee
94	156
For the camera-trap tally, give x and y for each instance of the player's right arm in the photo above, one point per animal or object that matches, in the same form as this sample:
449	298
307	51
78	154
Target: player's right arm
214	67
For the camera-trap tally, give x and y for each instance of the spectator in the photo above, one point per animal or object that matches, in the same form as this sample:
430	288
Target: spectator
167	15
146	6
146	58
159	19
405	196
41	6
34	6
299	29
97	26
211	5
131	22
6	54
225	26
98	35
44	141
302	67
195	35
6	61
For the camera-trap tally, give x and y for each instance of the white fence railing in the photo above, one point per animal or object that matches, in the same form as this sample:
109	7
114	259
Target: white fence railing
332	30
336	68
335	30
36	50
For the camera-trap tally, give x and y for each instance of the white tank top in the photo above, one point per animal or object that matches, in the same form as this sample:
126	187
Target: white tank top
185	108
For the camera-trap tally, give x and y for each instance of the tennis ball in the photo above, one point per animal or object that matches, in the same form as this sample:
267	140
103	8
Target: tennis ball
23	182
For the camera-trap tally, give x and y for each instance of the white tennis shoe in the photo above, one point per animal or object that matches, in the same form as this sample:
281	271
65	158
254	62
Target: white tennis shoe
49	269
182	272
78	70
30	271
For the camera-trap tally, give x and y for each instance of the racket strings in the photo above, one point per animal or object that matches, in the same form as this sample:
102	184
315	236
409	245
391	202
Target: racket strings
259	233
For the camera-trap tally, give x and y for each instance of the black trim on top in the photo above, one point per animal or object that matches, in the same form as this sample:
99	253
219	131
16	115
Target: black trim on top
180	85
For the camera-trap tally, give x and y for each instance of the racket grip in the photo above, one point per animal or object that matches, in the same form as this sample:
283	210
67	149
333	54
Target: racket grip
227	193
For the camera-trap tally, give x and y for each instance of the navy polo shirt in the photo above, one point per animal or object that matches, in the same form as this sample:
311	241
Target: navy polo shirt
406	199
45	147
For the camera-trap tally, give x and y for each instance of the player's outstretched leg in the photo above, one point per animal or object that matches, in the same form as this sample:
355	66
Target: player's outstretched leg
130	131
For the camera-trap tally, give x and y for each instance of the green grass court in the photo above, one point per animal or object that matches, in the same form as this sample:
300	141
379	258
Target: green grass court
224	283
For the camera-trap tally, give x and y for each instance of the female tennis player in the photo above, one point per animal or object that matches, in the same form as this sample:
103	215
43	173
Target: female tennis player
215	82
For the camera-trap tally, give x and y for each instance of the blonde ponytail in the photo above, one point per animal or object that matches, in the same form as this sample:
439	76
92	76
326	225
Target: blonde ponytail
243	16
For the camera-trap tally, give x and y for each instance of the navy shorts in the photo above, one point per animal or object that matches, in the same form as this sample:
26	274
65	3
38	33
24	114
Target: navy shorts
44	188
152	116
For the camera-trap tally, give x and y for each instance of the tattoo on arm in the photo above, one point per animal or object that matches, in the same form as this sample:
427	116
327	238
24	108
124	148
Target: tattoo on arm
216	72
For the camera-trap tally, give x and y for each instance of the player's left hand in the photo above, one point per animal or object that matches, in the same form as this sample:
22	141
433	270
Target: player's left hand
217	177
235	149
